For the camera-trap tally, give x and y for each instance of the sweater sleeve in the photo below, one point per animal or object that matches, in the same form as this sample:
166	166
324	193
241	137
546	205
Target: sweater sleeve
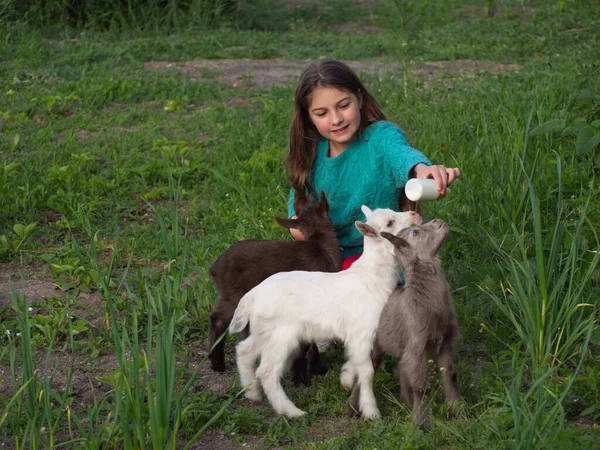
398	156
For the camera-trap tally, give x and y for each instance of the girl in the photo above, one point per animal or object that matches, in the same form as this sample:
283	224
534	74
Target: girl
341	144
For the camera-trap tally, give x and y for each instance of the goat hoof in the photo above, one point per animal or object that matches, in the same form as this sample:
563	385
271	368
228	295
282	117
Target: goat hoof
293	413
371	414
352	412
423	422
457	409
253	395
218	366
300	379
424	426
318	369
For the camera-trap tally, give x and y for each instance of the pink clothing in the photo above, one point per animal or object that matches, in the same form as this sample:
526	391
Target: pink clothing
347	262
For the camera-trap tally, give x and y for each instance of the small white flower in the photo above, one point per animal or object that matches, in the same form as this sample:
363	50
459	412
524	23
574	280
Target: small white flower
18	334
30	309
8	332
442	369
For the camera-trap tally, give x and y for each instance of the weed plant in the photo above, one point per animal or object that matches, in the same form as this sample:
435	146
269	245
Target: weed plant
124	183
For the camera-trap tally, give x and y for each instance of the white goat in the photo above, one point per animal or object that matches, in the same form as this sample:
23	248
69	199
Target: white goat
289	308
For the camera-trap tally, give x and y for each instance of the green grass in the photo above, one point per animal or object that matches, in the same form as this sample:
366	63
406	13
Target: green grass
136	179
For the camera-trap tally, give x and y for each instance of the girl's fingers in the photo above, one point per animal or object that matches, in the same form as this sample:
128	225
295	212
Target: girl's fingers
443	176
441	180
435	174
453	174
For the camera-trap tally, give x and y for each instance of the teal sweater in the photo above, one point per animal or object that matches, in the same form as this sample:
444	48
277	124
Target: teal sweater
369	172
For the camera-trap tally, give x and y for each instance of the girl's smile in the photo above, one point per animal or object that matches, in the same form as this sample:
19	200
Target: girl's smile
336	115
341	130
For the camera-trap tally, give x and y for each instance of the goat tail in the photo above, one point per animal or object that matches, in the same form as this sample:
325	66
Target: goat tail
241	316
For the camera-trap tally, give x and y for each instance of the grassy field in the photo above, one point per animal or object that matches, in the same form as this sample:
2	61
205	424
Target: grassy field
130	158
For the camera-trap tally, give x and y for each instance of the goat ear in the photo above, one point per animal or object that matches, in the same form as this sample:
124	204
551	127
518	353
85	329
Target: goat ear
324	203
397	241
366	230
287	223
366	211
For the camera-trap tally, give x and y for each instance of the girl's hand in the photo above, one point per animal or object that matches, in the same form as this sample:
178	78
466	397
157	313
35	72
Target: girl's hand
442	175
296	234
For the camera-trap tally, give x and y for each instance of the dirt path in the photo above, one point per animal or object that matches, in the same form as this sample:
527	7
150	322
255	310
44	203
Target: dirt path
269	73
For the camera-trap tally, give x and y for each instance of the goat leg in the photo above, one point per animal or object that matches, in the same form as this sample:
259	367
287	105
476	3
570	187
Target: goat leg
447	368
421	409
313	357
218	328
247	352
406	392
376	358
276	352
359	357
414	373
300	366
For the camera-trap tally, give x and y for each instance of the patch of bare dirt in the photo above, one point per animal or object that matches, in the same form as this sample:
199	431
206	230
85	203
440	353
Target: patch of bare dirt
34	283
216	439
29	279
56	366
43	121
235	102
83	134
475	12
237	73
445	71
34	290
13	270
309	3
215	382
462	66
268	73
327	428
90	307
357	28
207	379
586	422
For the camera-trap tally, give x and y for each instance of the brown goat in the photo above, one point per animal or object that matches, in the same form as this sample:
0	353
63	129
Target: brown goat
247	263
418	323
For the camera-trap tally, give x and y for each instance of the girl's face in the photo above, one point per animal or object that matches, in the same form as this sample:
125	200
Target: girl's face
336	114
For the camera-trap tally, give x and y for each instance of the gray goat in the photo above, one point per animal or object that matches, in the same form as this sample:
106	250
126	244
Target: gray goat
418	323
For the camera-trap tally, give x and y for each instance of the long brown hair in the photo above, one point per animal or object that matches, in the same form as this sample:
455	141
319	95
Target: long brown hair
304	135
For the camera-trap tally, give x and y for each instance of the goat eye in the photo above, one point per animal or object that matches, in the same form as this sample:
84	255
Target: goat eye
415	232
390	223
